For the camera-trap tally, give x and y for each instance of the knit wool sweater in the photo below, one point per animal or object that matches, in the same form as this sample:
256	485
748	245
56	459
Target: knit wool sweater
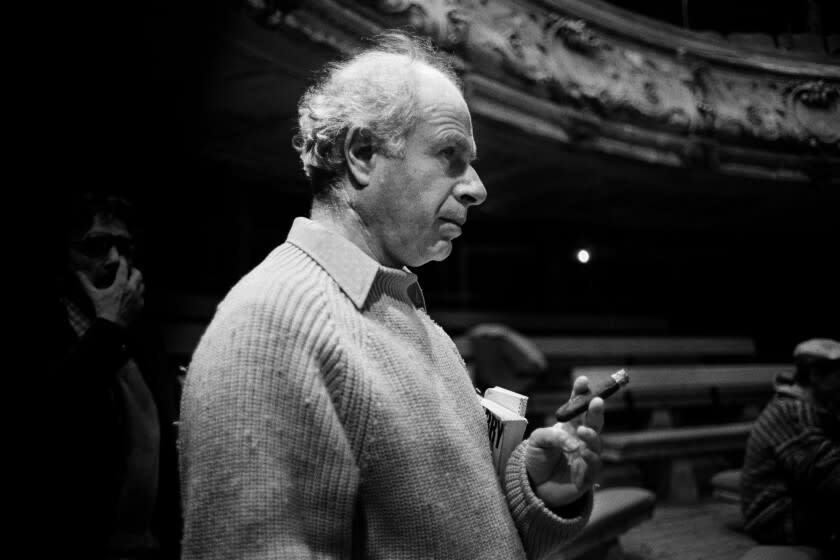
790	482
325	415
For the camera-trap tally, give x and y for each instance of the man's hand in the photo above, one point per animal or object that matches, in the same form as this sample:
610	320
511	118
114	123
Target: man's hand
563	460
120	302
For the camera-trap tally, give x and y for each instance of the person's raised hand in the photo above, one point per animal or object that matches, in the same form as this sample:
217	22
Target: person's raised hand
564	460
120	302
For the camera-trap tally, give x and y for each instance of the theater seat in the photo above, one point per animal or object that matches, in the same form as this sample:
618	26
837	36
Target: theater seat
726	486
615	511
782	553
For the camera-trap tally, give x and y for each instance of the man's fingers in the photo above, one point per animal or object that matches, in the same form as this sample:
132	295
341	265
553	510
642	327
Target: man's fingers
135	281
590	438
122	272
581	386
577	472
595	414
555	439
588	468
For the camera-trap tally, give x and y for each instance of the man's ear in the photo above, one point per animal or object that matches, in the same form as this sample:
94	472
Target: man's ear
358	151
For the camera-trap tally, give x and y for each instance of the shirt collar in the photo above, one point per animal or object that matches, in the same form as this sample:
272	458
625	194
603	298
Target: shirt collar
79	320
352	269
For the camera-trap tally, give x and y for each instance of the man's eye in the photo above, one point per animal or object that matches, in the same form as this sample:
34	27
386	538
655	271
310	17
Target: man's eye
448	152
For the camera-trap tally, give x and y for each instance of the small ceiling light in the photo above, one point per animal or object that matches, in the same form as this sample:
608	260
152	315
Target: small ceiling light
583	256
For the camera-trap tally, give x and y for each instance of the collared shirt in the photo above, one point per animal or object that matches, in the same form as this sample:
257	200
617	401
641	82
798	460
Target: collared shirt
352	269
78	319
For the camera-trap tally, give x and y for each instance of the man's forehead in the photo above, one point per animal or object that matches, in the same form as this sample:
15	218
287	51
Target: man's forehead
450	122
105	224
440	98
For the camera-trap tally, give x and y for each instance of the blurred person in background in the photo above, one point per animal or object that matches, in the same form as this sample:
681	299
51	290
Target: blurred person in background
112	400
790	481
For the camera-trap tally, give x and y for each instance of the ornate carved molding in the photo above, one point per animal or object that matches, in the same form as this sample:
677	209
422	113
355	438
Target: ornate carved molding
618	75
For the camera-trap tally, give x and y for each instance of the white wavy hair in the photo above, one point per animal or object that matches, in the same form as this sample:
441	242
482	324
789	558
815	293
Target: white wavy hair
374	90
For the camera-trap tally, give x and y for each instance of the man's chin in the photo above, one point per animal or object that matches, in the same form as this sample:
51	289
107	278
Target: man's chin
437	252
441	251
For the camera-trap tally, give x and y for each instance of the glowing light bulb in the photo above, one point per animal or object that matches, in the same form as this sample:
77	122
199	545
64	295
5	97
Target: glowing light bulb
583	256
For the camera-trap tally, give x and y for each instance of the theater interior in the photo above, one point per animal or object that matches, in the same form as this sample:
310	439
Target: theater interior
691	148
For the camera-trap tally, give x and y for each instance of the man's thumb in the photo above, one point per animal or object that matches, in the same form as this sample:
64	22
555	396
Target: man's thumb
122	271
87	285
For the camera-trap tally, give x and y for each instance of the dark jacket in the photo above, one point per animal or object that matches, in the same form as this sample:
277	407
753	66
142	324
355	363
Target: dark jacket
790	482
88	419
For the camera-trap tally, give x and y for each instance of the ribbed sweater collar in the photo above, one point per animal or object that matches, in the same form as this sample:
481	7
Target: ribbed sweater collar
355	272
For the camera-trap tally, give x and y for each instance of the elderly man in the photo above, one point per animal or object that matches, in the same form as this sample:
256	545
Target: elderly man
325	415
790	483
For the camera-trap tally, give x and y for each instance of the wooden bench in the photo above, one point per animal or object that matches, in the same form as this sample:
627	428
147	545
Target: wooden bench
644	349
614	512
667	388
561	354
726	486
667	455
668	443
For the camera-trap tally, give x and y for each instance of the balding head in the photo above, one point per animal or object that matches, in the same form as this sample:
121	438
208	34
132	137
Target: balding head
374	91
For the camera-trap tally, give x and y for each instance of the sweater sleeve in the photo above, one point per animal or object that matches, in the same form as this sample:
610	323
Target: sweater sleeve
543	532
267	471
808	454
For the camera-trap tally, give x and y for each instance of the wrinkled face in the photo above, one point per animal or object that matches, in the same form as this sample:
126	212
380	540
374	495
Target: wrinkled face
97	252
416	205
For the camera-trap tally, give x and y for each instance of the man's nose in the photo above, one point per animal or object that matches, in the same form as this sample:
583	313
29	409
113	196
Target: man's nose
471	191
113	255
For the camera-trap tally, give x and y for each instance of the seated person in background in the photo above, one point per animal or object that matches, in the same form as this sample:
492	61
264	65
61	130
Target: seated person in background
501	356
114	486
790	483
325	415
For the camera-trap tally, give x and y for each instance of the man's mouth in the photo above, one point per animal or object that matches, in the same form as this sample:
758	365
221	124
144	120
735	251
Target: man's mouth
457	221
105	279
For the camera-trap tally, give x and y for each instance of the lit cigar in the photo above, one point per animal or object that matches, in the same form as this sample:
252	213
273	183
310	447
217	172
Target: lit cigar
579	403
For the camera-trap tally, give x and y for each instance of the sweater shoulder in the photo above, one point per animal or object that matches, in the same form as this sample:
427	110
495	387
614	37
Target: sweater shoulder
782	419
283	282
287	296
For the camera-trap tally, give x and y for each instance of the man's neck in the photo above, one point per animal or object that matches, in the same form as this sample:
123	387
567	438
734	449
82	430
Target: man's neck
340	218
